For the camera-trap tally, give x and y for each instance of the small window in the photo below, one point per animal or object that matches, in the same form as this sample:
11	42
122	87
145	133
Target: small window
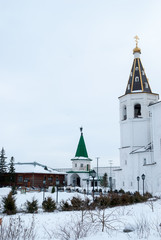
144	161
75	164
131	184
128	87
136	69
136	79
20	178
124	113
145	85
131	74
50	179
125	162
26	180
81	165
123	184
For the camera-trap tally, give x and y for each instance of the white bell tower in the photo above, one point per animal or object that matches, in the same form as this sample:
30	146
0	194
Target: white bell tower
135	131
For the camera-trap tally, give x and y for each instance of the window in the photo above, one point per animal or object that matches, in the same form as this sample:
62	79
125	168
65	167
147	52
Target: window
50	179
145	85
137	110
75	164
20	178
143	72
124	113
136	69
144	162
125	162
131	74
131	184
136	79
128	87
26	180
81	165
123	184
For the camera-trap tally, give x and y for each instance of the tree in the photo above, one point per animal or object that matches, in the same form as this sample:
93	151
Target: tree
104	181
49	205
9	204
11	171
3	166
11	166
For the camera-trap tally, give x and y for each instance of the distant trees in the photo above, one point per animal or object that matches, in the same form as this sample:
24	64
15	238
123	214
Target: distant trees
3	165
104	181
6	168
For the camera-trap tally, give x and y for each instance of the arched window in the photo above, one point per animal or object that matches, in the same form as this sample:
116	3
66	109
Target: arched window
124	113
137	110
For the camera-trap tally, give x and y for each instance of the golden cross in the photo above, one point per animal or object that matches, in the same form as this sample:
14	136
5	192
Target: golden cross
136	40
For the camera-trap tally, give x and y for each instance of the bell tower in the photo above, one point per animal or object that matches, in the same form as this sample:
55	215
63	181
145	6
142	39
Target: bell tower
135	124
134	112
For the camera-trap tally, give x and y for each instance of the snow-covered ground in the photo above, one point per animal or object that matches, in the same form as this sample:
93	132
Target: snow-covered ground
140	218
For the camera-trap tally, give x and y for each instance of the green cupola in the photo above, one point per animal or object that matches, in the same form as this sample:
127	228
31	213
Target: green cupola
81	152
81	149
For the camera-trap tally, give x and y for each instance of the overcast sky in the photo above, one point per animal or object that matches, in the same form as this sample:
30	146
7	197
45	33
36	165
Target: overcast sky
63	65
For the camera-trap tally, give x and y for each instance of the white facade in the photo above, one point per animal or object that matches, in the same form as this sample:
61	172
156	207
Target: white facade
79	174
140	137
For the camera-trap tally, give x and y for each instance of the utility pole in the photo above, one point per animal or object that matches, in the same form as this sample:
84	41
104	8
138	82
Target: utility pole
110	178
97	171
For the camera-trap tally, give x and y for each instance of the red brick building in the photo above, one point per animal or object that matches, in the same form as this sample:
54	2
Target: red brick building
34	175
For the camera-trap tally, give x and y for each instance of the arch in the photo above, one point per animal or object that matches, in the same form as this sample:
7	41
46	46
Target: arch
75	180
137	110
124	113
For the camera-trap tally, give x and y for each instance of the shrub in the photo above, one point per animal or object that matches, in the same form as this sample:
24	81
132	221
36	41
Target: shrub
148	195
49	205
76	203
32	207
115	200
65	206
125	199
103	202
16	229
53	190
9	204
121	191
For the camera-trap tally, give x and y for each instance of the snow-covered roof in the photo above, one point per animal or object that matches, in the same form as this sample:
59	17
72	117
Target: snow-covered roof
34	167
143	149
81	158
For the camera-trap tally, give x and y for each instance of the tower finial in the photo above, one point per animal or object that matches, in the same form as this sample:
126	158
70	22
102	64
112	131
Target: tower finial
136	49
81	129
136	40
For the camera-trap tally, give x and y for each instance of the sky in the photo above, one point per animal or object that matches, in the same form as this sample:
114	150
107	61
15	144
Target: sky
63	65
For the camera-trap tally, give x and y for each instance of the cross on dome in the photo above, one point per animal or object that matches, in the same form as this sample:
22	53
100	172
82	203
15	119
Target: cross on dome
136	49
136	40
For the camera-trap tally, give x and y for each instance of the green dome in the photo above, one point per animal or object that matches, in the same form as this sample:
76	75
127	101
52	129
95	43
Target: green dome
81	149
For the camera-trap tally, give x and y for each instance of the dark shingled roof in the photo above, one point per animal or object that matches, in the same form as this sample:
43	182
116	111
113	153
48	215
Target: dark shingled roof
138	81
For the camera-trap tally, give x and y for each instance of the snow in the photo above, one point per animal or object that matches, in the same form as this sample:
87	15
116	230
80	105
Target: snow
34	167
138	217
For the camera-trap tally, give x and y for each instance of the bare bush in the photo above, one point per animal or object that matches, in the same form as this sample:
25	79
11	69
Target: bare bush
16	229
75	229
107	219
142	227
150	203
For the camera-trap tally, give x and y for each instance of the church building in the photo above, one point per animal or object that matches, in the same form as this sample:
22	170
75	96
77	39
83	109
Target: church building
140	133
81	165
